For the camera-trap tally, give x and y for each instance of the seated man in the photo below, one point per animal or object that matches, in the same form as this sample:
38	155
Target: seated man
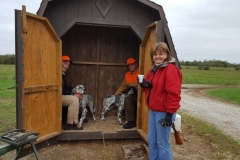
68	99
130	102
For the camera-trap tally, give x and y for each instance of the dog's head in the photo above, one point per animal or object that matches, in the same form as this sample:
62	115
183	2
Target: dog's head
79	89
131	90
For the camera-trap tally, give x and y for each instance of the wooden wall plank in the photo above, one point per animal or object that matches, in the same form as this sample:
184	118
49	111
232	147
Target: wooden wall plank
85	9
104	10
58	15
110	78
112	14
42	88
81	43
134	15
122	10
48	12
146	18
40	116
71	10
42	67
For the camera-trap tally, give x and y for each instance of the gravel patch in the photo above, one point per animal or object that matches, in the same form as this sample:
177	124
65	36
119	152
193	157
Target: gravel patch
224	116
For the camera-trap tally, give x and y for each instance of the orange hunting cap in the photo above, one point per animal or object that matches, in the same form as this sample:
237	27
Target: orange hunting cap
66	58
131	61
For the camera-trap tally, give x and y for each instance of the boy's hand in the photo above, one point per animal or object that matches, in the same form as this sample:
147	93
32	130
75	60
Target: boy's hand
80	96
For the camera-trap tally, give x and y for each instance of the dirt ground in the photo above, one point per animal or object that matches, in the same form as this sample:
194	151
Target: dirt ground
194	148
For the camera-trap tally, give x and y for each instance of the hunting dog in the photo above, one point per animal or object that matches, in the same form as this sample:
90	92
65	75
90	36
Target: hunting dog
109	103
83	103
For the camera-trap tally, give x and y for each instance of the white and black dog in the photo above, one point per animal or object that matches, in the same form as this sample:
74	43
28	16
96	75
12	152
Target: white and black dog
109	103
83	103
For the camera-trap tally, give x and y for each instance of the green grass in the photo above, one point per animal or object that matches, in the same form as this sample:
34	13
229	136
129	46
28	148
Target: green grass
7	80
7	98
214	76
228	94
8	114
213	136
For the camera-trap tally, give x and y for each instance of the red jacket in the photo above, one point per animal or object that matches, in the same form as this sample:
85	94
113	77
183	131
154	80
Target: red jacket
164	96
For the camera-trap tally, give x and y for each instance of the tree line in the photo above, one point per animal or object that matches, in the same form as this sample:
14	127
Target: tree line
209	63
7	59
11	59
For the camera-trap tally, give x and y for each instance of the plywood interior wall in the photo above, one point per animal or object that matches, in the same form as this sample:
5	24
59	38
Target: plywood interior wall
99	56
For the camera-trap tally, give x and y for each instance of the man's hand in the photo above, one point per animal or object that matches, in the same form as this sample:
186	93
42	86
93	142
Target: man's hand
166	121
73	90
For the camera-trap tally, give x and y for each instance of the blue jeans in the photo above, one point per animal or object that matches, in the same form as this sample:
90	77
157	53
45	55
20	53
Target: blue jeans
159	137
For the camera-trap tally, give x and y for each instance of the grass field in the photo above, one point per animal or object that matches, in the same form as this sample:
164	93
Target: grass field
228	94
216	75
7	80
7	98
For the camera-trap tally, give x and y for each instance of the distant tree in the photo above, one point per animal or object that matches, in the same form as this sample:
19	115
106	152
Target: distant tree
182	62
7	59
224	64
12	60
206	68
209	63
194	63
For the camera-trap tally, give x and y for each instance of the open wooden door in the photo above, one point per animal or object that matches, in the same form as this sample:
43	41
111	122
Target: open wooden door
154	33
38	75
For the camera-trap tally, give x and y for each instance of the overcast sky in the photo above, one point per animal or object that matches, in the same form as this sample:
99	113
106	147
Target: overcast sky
201	29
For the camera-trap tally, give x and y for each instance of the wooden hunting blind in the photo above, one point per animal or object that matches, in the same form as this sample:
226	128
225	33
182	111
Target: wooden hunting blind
99	36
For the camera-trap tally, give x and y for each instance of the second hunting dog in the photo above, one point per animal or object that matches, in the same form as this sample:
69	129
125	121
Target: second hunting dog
109	103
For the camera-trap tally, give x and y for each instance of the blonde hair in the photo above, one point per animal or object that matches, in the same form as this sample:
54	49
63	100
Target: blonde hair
162	47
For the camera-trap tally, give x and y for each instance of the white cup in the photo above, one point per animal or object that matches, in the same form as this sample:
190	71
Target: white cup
140	78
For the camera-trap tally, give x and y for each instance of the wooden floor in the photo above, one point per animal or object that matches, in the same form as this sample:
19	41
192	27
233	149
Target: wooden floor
108	129
110	125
